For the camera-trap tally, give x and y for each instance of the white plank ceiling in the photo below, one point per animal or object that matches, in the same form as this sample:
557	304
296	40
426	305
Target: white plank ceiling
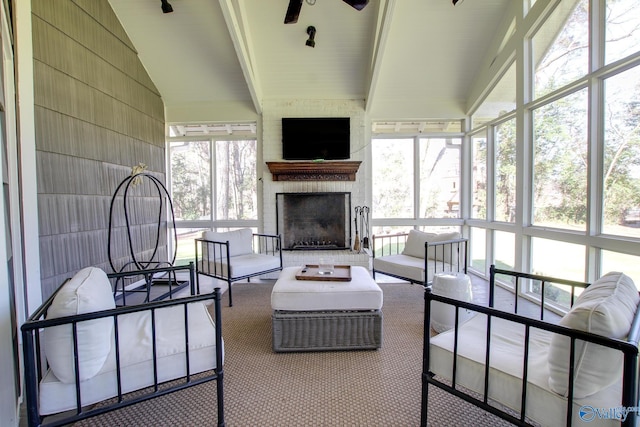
406	59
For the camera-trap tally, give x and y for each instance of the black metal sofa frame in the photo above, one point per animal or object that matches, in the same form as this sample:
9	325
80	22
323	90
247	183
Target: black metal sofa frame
629	349
392	244
213	259
36	366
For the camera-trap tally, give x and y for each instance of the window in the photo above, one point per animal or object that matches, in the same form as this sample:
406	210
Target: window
393	182
416	176
561	47
213	178
560	163
505	186
558	259
622	29
191	180
505	247
236	180
628	264
479	176
478	249
439	177
621	171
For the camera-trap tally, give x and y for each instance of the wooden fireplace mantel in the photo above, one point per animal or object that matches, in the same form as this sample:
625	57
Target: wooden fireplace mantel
314	170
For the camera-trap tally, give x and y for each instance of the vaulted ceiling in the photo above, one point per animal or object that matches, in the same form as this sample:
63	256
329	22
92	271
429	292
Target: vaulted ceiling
405	59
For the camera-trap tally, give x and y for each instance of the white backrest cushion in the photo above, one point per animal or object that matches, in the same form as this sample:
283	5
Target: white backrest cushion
88	291
606	308
240	241
444	253
415	243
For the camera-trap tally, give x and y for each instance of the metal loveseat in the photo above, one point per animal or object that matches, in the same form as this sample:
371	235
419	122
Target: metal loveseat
417	256
84	356
582	370
235	255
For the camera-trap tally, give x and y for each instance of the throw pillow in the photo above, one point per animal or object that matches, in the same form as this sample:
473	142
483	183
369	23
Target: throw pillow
606	308
414	245
88	291
444	253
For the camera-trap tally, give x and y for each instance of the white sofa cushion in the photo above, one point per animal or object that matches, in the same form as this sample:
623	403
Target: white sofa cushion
88	291
417	239
401	265
606	308
240	241
241	265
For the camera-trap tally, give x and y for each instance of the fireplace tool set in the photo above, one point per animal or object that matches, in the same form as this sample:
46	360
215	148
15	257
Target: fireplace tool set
361	218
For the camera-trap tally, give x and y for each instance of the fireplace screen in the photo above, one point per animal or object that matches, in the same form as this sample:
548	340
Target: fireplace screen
314	221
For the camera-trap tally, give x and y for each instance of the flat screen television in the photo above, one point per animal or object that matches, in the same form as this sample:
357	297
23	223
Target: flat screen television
326	138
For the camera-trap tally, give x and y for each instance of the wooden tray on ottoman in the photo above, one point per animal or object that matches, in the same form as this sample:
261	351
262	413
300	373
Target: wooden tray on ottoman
341	273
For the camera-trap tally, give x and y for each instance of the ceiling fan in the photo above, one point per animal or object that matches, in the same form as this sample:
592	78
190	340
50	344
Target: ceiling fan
293	11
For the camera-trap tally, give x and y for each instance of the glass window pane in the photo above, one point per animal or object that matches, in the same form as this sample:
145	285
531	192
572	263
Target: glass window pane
439	177
505	186
478	249
190	180
621	181
393	187
558	259
186	244
560	163
561	47
622	26
504	248
479	176
236	195
627	264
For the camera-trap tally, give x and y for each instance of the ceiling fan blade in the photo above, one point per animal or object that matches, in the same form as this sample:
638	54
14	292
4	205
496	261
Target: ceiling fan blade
357	4
293	11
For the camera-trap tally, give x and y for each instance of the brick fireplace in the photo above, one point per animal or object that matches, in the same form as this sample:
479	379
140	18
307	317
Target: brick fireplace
314	220
341	176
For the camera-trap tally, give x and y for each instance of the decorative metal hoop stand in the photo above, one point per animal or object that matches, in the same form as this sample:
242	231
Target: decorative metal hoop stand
148	265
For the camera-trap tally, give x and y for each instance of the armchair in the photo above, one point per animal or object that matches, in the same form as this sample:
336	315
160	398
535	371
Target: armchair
235	255
417	256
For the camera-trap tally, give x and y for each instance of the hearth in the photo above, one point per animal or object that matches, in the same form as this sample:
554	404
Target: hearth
314	221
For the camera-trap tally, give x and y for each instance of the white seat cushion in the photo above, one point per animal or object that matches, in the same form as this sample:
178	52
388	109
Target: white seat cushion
241	265
401	265
88	291
361	293
409	266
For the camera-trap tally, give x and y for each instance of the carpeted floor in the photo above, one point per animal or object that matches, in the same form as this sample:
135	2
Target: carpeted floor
342	388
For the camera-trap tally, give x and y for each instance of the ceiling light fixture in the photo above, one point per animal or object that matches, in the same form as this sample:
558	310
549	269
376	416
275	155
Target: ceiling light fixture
457	1
293	11
311	41
166	7
360	4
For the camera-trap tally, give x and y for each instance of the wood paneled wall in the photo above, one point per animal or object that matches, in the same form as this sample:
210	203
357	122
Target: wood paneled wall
97	115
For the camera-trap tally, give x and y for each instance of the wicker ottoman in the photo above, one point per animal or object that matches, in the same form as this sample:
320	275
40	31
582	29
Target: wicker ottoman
311	315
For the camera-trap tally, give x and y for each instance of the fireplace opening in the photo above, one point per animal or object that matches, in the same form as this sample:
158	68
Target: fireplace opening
314	221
